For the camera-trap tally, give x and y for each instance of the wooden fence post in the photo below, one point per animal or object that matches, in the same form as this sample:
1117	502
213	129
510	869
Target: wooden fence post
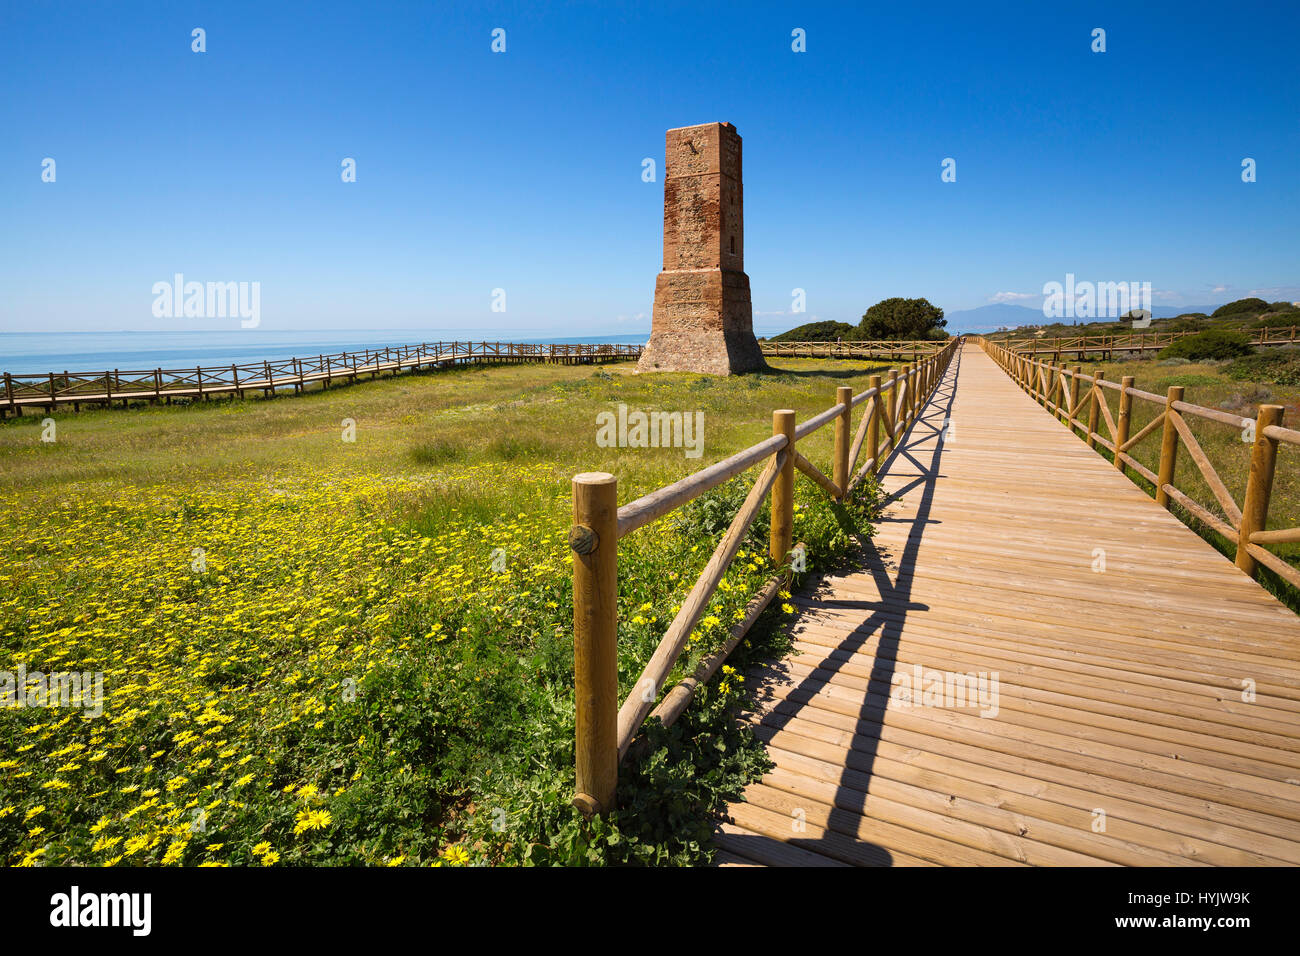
1168	446
1094	409
905	413
891	426
781	539
594	540
1074	398
843	435
1124	420
1259	486
873	429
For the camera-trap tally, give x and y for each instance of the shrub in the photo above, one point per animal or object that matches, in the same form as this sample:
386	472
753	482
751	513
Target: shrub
1210	344
1275	320
818	332
1241	306
1248	402
1276	366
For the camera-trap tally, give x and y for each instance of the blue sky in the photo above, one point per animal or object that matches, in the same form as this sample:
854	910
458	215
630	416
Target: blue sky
522	170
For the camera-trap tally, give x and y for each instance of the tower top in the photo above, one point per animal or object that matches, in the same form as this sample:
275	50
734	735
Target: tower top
703	198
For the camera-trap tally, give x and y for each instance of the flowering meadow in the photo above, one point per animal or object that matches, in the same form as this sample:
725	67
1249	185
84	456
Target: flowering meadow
316	652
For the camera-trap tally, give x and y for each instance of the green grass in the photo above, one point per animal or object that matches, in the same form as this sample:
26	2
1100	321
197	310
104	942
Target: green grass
327	652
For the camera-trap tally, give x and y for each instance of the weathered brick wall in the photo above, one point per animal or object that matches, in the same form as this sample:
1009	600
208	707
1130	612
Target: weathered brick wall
703	321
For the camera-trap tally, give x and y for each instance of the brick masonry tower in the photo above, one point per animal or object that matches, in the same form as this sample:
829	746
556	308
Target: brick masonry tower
702	316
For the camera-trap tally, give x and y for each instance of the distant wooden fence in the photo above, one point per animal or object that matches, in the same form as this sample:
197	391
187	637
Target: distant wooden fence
892	351
49	390
1106	346
605	729
52	389
1069	393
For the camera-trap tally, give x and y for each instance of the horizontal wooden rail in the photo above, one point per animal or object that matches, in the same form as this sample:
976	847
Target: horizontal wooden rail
637	514
1242	526
1108	344
646	690
51	389
884	350
605	728
676	700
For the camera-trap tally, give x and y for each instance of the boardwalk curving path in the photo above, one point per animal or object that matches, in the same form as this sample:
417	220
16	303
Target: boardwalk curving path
1125	731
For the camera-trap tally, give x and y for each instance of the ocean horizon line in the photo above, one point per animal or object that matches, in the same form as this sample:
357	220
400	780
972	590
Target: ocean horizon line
38	353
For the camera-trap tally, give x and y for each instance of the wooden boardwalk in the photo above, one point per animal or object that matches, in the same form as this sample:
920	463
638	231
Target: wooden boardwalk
1123	730
51	390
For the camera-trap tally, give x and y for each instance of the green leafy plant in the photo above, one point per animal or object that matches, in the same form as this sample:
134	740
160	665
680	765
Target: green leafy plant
1210	344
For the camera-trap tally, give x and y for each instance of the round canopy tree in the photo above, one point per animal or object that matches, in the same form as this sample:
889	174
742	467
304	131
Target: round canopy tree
903	319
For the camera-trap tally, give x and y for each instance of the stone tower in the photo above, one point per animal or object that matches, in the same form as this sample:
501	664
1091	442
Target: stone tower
702	317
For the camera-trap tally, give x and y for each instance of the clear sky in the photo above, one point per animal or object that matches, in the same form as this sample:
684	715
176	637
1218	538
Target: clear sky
522	170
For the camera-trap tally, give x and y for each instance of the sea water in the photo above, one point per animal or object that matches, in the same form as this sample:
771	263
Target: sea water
30	353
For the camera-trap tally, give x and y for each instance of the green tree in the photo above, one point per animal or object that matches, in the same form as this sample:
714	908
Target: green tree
903	319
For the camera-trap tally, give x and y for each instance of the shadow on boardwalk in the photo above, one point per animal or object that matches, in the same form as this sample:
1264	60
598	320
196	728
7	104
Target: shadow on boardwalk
917	460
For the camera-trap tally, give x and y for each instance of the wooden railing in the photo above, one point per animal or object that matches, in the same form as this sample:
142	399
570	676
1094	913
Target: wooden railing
604	728
1068	393
894	351
1107	345
51	389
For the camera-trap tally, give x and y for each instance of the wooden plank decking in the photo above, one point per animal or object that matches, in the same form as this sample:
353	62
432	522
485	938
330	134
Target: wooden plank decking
1120	735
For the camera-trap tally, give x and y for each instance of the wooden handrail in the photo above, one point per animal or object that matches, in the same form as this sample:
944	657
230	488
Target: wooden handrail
637	514
594	539
23	389
1110	343
1244	526
646	689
